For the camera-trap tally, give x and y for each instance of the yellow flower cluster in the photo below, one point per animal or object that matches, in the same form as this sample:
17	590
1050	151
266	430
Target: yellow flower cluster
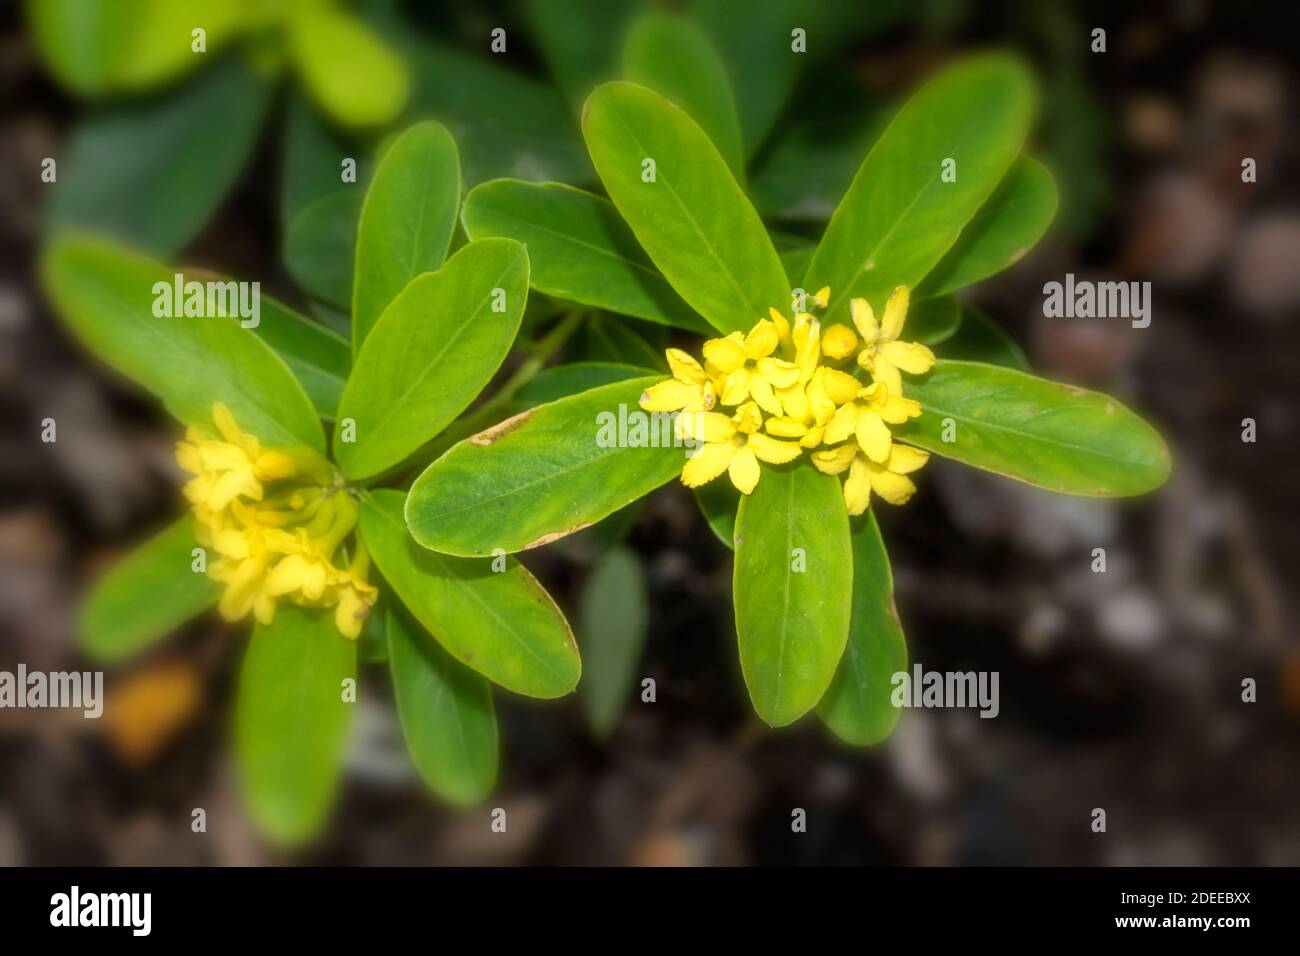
792	388
276	519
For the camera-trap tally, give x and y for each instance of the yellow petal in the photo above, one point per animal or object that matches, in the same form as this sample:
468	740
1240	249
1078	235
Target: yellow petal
814	437
857	487
781	323
685	368
187	456
873	436
778	372
840	386
864	319
761	341
272	465
225	422
897	410
833	461
904	459
744	470
894	488
891	324
761	391
912	357
726	354
884	373
232	484
748	418
838	342
794	400
737	387
772	451
707	463
708	427
822	296
287	575
782	426
668	396
842	424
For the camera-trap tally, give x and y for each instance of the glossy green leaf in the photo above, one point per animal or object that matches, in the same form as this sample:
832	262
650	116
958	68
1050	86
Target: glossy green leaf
669	54
980	339
350	72
1008	226
544	473
559	381
858	707
106	294
318	357
430	354
406	222
1059	437
153	173
292	718
755	45
505	123
581	248
574	39
692	219
146	595
900	217
320	244
607	338
719	501
612	628
793	589
446	712
502	623
95	48
932	321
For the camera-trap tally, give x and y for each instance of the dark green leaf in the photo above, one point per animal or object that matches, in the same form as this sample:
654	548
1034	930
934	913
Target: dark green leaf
146	595
612	629
319	246
980	339
1059	437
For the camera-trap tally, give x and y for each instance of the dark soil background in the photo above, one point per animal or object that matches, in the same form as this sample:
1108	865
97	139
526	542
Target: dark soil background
1119	690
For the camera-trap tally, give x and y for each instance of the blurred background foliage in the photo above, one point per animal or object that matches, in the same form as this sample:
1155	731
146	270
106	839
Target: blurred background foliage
1119	690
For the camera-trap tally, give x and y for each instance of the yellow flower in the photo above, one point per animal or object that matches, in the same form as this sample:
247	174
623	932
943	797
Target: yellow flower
306	570
225	470
839	342
809	410
355	595
748	367
867	418
888	479
883	355
689	389
734	445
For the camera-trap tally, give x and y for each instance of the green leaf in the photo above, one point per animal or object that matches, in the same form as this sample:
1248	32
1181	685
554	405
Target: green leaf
980	339
693	219
407	220
858	707
1008	226
932	321
1059	437
719	501
582	250
899	217
349	71
145	596
560	381
318	357
432	351
612	626
319	245
755	45
153	173
95	48
795	260
793	587
606	338
669	55
544	473
507	124
106	295
446	712
313	161
574	39
503	624
292	721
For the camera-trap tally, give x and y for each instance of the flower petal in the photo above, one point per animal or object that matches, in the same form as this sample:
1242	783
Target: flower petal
873	436
834	461
864	319
857	487
774	452
894	488
727	354
707	463
842	424
744	471
891	324
668	396
684	367
904	459
912	357
761	341
761	391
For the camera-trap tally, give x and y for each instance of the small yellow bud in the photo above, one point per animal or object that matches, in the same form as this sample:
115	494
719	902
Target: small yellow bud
838	342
